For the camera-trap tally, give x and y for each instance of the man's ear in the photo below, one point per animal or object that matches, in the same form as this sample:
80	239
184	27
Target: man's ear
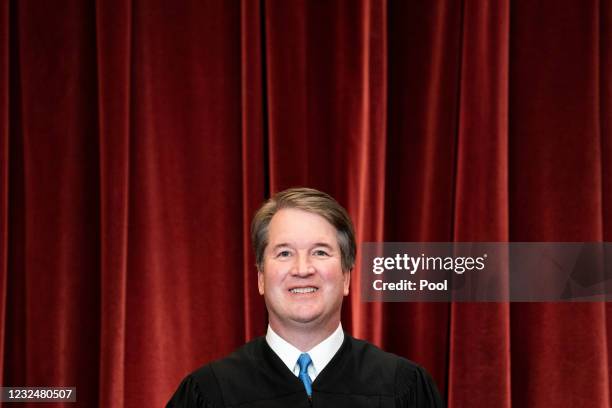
260	281
347	281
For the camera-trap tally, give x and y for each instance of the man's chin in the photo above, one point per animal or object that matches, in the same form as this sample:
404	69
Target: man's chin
311	319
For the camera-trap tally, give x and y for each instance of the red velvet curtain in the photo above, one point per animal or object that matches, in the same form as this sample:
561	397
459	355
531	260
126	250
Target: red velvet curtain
137	139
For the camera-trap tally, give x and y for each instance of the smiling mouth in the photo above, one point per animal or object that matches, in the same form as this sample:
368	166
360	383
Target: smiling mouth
309	289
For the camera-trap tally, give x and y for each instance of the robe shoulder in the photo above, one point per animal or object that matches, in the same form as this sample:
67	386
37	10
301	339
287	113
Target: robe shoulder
388	374
203	388
197	390
422	393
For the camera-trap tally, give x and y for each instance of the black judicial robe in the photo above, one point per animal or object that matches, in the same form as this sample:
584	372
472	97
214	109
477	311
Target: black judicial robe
359	375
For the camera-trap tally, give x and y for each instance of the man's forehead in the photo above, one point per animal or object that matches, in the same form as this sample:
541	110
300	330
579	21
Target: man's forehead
290	225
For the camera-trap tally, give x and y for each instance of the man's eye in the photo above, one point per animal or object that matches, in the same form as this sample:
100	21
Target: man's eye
283	254
320	252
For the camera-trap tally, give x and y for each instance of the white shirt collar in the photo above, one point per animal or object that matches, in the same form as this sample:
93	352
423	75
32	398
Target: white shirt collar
321	354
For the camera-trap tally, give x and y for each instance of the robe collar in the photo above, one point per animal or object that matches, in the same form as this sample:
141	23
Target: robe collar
321	354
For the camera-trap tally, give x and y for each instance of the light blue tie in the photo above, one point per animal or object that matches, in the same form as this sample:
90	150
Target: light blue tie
304	361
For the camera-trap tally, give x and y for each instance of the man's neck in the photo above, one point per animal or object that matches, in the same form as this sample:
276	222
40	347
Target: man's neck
304	338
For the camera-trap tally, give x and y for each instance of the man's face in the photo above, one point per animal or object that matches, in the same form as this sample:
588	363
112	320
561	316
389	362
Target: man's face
302	279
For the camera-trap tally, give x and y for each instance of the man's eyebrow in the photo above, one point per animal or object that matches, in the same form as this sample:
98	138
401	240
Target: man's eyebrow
282	244
323	244
316	244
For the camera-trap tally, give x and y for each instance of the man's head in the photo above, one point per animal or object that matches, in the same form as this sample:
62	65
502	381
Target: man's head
312	201
305	249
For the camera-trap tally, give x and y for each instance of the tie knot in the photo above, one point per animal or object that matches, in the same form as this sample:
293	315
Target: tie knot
304	361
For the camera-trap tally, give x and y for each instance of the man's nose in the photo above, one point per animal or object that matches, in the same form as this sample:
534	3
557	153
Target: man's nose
303	266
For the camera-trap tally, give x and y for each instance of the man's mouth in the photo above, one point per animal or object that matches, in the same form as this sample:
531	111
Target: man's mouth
308	289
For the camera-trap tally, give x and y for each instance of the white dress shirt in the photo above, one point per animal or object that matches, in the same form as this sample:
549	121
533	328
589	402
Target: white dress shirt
321	354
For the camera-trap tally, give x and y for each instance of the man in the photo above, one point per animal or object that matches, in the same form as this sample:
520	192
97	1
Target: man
305	250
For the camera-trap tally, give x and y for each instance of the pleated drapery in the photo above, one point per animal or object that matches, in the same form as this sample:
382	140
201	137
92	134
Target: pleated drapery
138	138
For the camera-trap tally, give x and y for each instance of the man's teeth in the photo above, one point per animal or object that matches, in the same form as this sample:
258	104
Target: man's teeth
303	290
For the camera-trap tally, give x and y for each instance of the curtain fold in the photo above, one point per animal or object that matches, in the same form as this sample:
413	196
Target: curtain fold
53	311
113	44
4	172
605	120
253	157
424	40
481	214
289	78
137	140
185	283
556	194
366	194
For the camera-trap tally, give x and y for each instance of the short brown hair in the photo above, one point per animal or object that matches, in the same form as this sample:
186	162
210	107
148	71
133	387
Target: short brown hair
312	201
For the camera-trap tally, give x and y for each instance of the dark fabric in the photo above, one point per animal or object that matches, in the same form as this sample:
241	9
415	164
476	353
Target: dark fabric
137	138
360	375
